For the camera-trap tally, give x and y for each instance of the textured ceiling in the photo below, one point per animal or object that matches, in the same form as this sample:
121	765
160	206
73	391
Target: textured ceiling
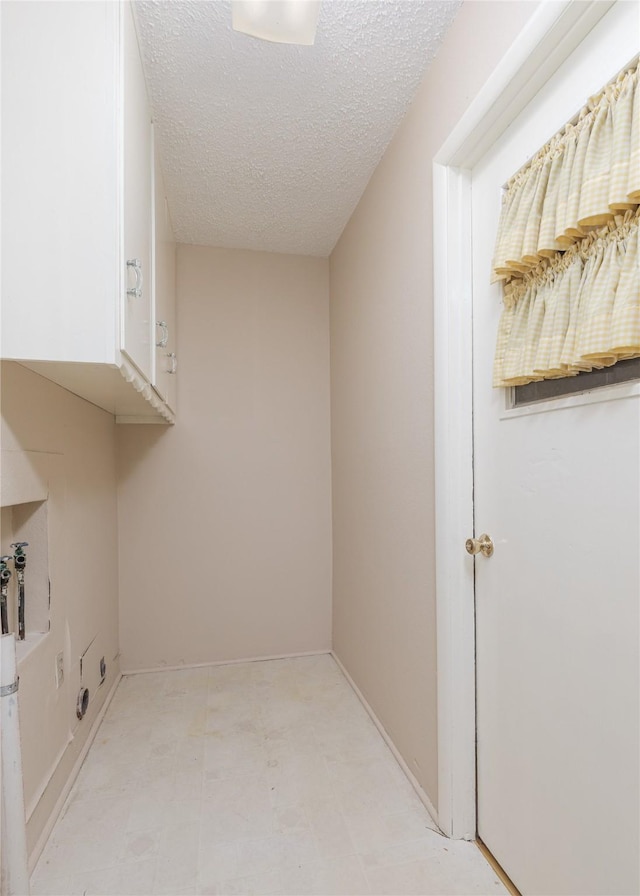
270	146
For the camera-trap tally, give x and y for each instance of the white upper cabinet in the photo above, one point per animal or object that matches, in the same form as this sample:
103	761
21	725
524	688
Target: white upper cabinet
77	204
59	177
166	365
137	317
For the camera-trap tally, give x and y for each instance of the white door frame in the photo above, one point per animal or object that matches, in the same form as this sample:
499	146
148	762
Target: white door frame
552	33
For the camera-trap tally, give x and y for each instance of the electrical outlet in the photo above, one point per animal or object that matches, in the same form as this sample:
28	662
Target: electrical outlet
59	669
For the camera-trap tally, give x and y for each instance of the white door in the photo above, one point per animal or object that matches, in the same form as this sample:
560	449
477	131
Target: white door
557	487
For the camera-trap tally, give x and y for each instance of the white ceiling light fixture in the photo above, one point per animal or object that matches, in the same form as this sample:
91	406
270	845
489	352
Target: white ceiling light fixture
280	21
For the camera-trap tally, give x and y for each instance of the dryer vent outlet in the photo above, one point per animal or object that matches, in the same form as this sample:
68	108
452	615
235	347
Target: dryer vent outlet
83	702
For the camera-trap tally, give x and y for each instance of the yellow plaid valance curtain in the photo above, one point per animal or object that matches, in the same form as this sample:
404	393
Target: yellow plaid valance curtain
567	246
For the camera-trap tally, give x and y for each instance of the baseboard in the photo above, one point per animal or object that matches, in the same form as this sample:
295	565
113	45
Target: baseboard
248	659
499	870
424	799
40	844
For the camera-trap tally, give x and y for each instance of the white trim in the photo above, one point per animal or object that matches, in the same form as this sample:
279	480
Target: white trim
454	509
549	37
131	374
249	659
424	799
41	842
614	392
552	33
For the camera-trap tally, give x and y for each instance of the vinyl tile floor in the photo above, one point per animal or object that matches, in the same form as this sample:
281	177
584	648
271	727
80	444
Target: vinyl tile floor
256	778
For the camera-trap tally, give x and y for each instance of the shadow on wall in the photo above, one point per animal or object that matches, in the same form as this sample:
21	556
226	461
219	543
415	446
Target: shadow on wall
146	439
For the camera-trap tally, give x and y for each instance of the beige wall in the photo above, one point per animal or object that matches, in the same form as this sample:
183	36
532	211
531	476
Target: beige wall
57	445
384	625
225	519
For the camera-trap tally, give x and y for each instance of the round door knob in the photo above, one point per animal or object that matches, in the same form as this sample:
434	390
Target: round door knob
482	545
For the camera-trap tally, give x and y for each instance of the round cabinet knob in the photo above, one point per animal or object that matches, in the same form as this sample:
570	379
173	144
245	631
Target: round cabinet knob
482	545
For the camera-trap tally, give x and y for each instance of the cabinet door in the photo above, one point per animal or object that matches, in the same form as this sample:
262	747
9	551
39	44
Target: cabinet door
59	188
137	301
165	291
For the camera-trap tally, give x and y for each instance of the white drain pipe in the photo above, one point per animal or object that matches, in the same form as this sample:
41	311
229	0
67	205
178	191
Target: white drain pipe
15	869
